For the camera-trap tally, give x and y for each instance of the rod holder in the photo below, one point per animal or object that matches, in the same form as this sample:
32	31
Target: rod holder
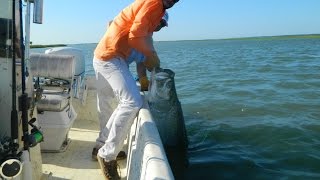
10	168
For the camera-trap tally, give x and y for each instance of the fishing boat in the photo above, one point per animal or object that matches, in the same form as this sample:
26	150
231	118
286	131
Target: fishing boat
49	118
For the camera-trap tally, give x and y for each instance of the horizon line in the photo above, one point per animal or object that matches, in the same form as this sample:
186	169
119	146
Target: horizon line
314	35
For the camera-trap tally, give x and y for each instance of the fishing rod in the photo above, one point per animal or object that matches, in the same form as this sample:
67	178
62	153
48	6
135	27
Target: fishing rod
10	162
10	165
24	96
14	112
36	136
23	99
29	140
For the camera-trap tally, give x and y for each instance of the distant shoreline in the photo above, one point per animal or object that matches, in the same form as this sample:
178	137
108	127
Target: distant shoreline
277	37
297	36
45	46
311	36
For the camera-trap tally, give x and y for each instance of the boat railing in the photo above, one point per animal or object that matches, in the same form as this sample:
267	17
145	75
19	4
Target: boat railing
146	155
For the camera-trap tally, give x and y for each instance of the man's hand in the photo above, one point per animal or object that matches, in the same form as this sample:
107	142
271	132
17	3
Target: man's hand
152	61
144	83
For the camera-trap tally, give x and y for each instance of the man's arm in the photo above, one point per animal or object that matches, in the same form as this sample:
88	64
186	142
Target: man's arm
141	31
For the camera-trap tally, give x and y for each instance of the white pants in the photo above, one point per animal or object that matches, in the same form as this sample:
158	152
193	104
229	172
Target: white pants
115	73
106	104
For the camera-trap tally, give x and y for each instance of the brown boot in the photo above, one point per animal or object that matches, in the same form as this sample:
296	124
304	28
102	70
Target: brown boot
109	169
121	155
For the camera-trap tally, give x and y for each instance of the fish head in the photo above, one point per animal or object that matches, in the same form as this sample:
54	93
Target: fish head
162	84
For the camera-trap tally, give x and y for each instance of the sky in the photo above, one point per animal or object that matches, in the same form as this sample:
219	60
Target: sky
78	21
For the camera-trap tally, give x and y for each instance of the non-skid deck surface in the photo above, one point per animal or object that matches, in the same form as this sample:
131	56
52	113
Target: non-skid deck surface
75	162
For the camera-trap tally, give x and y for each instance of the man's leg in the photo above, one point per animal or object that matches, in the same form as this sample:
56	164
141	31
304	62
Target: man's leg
130	101
116	72
106	104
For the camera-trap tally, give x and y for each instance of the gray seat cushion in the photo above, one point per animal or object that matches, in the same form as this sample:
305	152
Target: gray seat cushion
53	102
52	65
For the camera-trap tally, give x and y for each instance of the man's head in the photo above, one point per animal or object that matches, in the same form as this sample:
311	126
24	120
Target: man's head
163	22
168	3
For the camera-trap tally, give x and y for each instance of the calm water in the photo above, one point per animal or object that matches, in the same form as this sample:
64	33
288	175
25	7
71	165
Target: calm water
252	107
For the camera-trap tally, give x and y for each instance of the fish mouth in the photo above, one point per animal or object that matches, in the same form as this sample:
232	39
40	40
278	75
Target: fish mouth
162	76
164	90
165	73
164	81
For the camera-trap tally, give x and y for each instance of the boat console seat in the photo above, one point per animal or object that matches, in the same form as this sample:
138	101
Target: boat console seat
58	73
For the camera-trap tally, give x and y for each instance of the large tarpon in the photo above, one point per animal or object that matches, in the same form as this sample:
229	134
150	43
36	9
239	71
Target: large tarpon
167	113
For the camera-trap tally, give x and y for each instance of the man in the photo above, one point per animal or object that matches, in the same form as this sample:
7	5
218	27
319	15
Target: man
106	99
132	28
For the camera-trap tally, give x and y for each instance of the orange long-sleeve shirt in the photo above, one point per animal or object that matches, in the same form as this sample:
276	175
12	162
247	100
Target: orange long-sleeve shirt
131	29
